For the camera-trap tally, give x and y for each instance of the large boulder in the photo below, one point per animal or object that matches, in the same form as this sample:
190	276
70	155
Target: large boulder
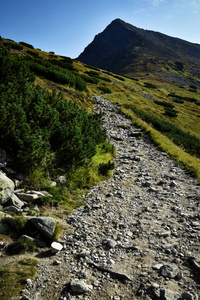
45	226
6	188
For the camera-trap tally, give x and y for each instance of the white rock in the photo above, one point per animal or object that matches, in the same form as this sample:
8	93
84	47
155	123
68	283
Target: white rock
62	179
56	247
80	287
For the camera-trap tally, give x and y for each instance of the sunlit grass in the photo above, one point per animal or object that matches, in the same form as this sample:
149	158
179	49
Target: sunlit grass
13	277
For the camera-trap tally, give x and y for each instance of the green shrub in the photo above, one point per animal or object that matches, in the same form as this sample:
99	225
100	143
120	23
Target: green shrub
193	100
150	85
92	73
91	67
90	79
105	79
170	112
26	45
16	224
119	77
52	70
66	63
13	46
40	128
164	103
105	89
104	168
180	101
35	54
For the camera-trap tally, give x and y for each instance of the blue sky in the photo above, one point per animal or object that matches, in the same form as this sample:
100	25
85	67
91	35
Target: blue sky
68	26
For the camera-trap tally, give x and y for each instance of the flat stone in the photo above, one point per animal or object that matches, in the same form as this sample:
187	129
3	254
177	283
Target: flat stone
157	267
168	295
12	209
27	197
170	271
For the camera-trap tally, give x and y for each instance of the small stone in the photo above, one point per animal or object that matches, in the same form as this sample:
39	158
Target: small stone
173	184
147	184
84	253
56	247
29	282
157	267
116	298
62	179
196	224
111	243
24	297
80	287
56	262
165	233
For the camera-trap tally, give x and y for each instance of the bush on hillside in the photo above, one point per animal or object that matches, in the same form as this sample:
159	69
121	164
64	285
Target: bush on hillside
40	128
104	168
170	112
105	89
180	101
26	45
164	103
55	73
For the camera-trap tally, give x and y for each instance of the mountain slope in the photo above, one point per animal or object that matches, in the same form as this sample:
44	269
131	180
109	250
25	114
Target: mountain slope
126	49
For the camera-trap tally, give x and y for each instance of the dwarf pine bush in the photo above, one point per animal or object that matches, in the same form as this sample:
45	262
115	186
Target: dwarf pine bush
41	128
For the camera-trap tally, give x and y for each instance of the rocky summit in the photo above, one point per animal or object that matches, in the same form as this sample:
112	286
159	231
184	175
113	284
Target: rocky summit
125	49
137	237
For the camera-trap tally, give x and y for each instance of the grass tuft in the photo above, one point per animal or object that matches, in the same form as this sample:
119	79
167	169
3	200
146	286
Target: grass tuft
13	277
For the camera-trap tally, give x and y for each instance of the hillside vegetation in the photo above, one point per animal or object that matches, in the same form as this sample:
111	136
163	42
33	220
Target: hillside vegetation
46	101
48	127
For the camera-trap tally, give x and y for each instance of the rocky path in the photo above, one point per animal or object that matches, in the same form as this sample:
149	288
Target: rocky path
138	235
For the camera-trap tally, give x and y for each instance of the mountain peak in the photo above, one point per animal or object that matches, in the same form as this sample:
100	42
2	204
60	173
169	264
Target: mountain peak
124	48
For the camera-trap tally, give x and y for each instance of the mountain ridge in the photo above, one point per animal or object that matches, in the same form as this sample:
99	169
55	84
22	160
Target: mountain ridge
121	46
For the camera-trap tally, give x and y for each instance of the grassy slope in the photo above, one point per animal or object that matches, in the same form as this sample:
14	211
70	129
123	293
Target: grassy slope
136	92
